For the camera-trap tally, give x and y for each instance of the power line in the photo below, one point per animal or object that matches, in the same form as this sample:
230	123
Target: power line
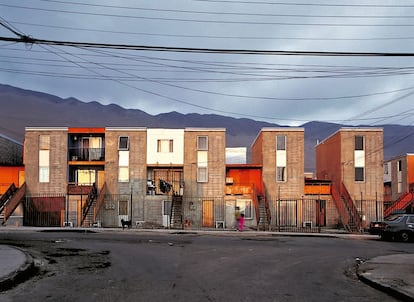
212	36
207	20
30	40
307	4
231	13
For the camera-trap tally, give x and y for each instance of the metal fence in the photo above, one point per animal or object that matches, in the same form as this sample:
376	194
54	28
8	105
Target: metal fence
286	215
44	210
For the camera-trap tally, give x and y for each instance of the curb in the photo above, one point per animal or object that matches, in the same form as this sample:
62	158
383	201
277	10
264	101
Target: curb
386	289
23	273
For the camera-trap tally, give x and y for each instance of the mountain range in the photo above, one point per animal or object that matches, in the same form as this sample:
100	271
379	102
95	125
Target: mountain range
22	108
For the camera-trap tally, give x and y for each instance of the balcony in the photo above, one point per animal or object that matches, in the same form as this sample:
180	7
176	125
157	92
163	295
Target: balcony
86	154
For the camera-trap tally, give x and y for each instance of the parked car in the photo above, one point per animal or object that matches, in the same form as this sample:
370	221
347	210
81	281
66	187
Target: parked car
398	227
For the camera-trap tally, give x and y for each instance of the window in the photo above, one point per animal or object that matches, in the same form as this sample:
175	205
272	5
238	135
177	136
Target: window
123	143
245	207
123	175
202	143
123	207
281	142
281	173
202	174
399	166
359	142
359	174
44	142
44	171
165	146
386	169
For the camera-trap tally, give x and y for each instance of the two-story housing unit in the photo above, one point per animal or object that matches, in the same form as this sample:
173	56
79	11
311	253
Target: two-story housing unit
399	184
280	152
352	159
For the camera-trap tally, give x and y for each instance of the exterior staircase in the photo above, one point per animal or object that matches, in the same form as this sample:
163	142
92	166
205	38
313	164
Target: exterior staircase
176	217
400	204
263	221
6	196
14	198
348	213
88	209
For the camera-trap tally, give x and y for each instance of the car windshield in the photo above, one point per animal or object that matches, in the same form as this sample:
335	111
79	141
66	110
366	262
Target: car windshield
394	218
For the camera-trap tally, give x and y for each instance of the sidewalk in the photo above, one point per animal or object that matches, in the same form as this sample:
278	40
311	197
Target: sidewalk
393	274
16	266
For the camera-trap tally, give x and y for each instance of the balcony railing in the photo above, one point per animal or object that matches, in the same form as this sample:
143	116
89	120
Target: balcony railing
86	154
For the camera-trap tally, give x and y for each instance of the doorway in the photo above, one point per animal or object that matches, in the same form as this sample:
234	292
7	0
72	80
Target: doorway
208	217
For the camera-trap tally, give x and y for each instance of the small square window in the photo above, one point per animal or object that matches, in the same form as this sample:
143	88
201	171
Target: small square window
165	146
281	142
202	174
44	142
281	173
359	174
359	142
202	143
123	143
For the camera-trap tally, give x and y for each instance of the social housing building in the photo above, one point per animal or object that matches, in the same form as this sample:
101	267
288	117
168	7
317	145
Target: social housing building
181	178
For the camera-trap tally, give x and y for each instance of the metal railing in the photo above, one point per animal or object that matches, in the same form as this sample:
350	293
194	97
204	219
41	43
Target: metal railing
86	154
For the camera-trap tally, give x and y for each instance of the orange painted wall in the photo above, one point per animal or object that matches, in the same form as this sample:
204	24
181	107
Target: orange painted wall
410	166
247	177
9	175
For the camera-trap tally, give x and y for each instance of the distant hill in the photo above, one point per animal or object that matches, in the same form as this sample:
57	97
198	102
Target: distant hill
21	108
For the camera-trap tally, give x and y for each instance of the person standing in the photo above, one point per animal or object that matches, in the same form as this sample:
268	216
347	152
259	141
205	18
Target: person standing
241	222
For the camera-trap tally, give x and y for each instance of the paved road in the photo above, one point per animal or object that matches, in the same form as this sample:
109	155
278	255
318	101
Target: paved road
156	266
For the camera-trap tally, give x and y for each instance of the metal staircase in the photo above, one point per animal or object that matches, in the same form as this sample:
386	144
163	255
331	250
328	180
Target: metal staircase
348	213
15	197
88	209
400	204
6	196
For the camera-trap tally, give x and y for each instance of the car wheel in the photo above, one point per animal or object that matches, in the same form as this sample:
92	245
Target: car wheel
404	236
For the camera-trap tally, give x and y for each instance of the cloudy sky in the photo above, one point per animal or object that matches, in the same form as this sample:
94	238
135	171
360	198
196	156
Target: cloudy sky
284	89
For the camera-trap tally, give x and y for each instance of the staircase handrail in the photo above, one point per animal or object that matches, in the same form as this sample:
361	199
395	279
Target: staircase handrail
352	210
400	203
87	206
14	202
6	196
99	201
340	206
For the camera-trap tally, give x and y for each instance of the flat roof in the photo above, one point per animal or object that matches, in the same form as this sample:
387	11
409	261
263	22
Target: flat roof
278	129
352	129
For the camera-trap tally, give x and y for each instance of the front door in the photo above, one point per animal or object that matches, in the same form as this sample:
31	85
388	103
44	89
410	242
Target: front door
166	212
122	211
208	219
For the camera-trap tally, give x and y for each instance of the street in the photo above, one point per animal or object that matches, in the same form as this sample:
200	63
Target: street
157	266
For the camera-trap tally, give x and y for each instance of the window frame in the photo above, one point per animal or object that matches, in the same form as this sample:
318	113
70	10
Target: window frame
281	143
362	174
359	145
281	177
202	146
202	174
161	144
122	148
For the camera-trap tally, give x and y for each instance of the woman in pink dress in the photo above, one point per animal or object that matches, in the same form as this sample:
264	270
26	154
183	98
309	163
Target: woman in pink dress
241	222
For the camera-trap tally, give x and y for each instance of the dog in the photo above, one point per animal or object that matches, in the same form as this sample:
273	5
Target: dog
126	223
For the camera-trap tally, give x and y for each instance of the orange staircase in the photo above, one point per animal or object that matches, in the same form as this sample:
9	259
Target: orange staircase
13	202
400	204
348	213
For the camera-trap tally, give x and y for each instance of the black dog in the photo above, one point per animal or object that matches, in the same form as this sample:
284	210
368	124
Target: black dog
126	223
